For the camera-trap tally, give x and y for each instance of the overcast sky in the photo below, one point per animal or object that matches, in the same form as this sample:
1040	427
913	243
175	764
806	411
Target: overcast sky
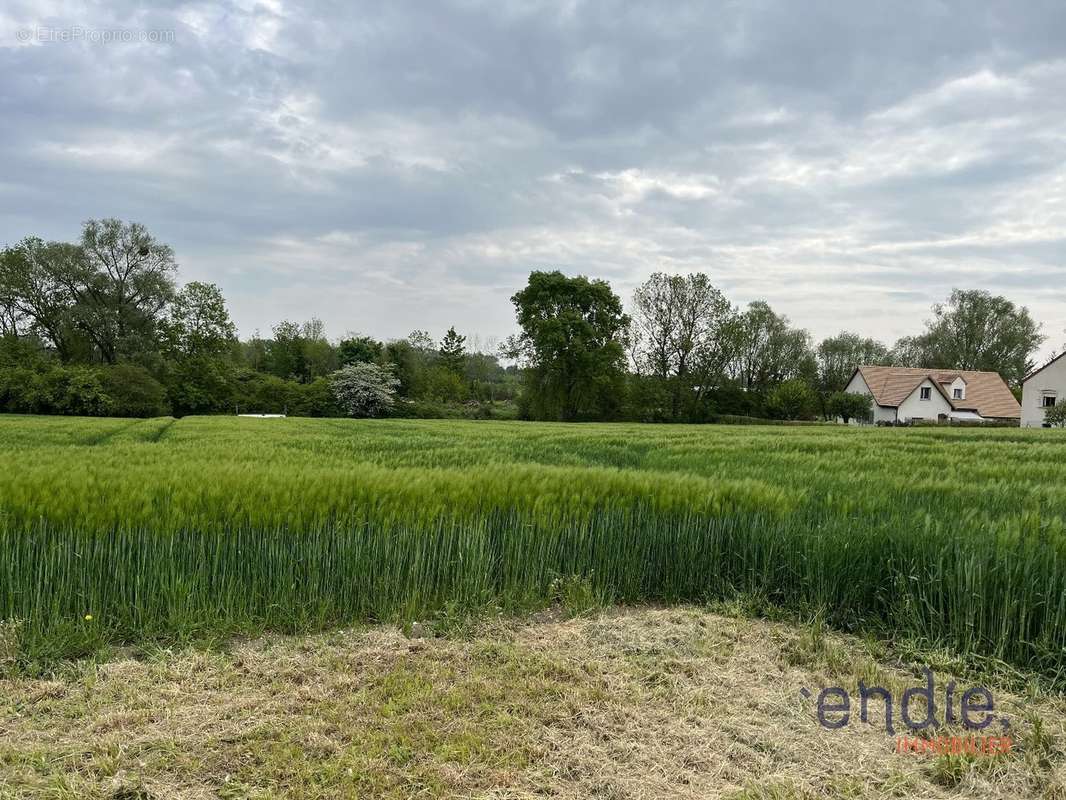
395	165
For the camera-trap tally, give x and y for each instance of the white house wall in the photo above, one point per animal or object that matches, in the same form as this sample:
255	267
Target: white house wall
1049	379
858	385
916	408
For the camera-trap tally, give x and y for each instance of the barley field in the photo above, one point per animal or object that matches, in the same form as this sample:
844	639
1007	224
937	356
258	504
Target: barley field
115	531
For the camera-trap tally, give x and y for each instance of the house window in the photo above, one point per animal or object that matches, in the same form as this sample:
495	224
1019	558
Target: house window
926	393
1047	401
957	394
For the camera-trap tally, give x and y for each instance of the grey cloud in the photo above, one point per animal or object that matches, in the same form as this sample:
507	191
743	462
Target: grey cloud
387	166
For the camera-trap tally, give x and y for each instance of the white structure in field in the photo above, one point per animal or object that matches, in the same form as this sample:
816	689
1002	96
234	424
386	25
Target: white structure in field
1043	389
903	394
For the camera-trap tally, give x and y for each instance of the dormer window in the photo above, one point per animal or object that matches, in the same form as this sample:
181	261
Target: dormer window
956	393
926	393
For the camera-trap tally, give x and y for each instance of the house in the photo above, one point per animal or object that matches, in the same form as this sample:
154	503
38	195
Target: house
904	394
1043	389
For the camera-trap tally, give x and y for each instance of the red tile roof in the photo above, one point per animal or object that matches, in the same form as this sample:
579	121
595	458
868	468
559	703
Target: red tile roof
986	393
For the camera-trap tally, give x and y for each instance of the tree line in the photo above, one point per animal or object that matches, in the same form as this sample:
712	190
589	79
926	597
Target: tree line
685	353
101	326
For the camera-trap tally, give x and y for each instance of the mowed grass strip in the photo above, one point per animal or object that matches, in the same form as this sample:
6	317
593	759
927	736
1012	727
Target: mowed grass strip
638	703
115	531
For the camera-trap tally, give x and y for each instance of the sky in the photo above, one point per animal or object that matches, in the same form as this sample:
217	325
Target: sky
396	165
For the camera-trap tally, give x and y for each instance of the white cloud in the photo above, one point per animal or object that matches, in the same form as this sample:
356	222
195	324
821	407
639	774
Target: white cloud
402	165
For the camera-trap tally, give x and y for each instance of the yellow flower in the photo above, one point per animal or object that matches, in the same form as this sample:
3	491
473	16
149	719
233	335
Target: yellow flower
88	617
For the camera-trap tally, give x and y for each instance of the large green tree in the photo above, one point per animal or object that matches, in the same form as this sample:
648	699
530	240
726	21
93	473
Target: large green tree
976	330
286	357
572	344
121	286
839	355
792	400
101	299
768	350
412	359
200	341
198	321
910	351
35	294
319	355
452	352
359	348
681	336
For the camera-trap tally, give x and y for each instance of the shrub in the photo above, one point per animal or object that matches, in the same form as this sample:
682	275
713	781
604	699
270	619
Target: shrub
444	386
472	409
1056	416
20	391
77	391
849	406
793	399
132	392
316	399
364	389
259	393
201	383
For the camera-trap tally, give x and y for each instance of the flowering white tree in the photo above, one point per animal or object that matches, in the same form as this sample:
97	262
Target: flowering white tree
364	389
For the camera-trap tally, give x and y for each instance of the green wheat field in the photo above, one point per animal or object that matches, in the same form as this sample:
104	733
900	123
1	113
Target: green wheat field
122	531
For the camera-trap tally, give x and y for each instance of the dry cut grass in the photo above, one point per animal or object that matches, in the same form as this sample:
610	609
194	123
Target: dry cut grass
648	703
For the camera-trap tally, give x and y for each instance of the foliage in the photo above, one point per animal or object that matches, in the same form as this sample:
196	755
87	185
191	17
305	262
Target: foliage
22	351
200	383
365	390
975	330
443	385
133	392
259	393
472	409
839	355
319	356
101	299
768	350
200	340
793	399
198	322
572	345
72	390
488	380
421	341
120	287
111	299
911	351
35	295
452	352
285	352
849	406
1056	415
109	390
684	334
254	353
359	348
407	364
